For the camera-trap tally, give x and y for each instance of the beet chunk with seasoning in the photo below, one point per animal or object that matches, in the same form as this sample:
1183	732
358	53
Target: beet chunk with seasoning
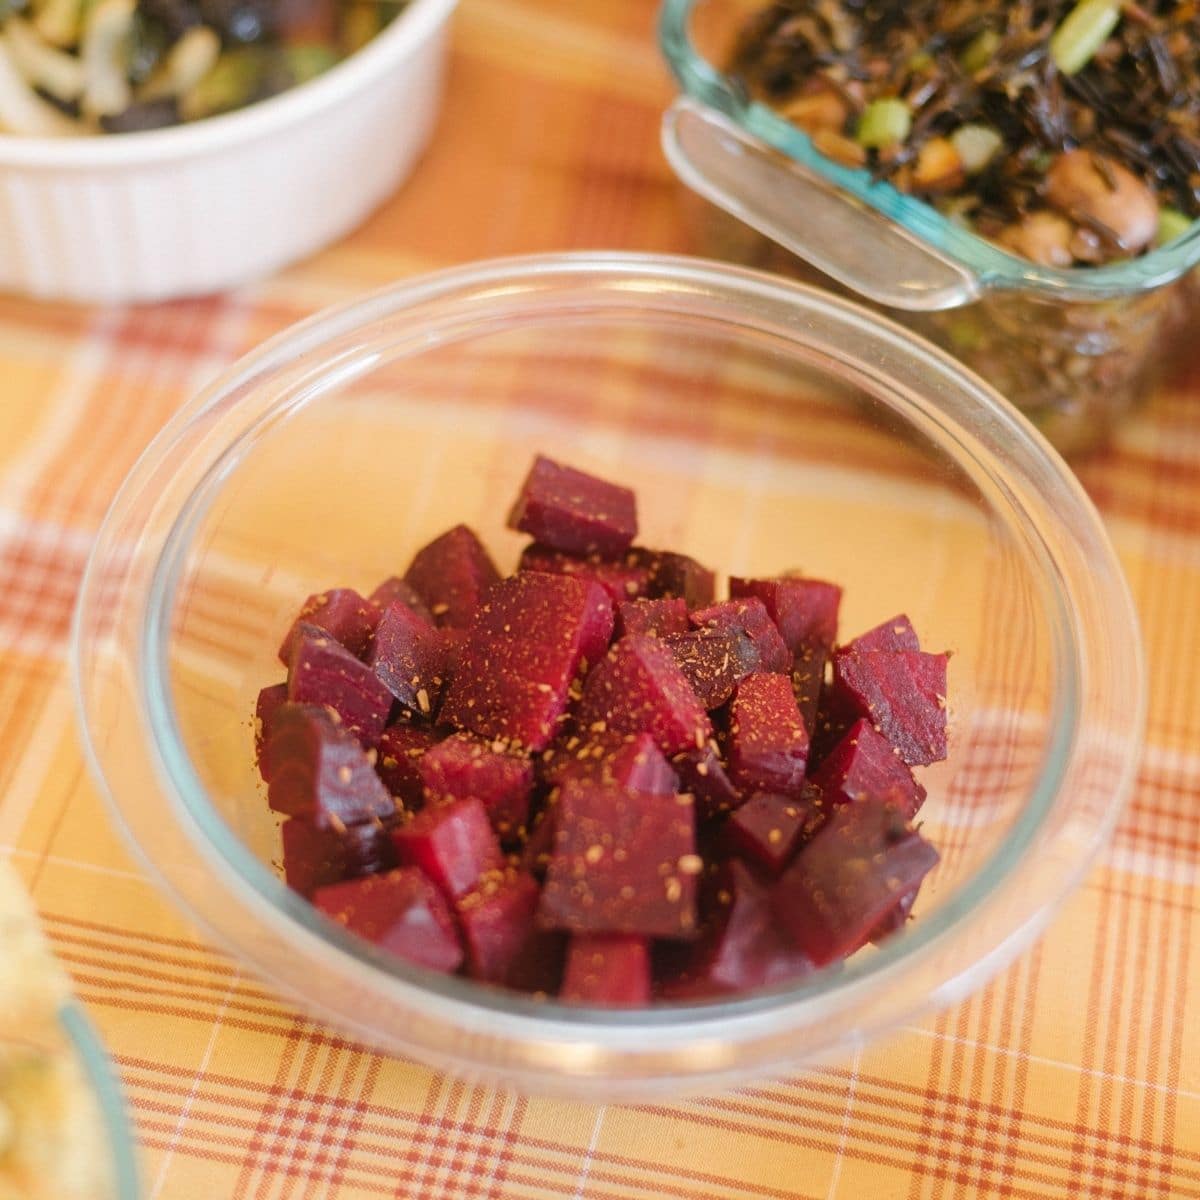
575	512
768	830
454	844
607	968
676	575
750	616
849	878
621	580
703	776
409	658
864	763
503	941
317	769
804	610
340	613
896	634
401	912
623	862
464	766
324	672
808	677
400	751
714	661
451	575
522	652
669	614
394	589
315	855
638	688
896	919
270	700
768	744
631	761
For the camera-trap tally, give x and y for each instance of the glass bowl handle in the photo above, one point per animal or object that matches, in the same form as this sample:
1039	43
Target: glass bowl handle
793	206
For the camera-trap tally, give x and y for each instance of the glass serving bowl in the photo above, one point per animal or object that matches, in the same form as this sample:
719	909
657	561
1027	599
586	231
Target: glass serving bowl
765	426
1073	348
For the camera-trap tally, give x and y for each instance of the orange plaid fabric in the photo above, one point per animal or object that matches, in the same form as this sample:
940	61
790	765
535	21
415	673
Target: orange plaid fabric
1075	1074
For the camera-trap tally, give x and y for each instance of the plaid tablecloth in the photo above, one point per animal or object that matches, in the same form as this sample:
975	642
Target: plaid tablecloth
1075	1074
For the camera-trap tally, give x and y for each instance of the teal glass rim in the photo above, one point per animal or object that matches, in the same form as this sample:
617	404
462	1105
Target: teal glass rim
991	267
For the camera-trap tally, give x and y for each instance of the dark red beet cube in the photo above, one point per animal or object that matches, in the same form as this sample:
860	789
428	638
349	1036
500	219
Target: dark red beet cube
464	766
805	610
638	688
317	769
607	968
575	512
342	614
623	862
408	656
315	855
394	589
749	615
669	614
270	700
503	941
768	744
714	661
808	675
896	919
702	776
674	574
621	580
631	761
401	912
454	844
539	839
400	751
896	634
865	764
451	575
835	715
324	672
768	830
903	694
849	878
522	652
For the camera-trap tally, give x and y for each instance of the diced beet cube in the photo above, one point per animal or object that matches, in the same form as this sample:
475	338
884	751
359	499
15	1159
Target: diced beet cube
674	574
454	642
451	575
394	589
522	652
903	694
768	830
749	614
401	912
408	656
539	841
503	941
865	764
896	634
464	766
622	581
701	775
623	862
631	761
454	844
400	750
270	699
638	688
768	744
572	511
848	878
341	613
324	672
607	968
835	715
315	855
317	769
896	919
669	614
714	661
805	610
808	674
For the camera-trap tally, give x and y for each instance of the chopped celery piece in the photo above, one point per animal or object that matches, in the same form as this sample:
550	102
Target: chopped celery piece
1082	32
884	123
1171	224
979	51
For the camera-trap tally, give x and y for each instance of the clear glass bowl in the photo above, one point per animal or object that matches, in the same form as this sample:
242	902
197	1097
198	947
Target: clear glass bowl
765	426
1073	348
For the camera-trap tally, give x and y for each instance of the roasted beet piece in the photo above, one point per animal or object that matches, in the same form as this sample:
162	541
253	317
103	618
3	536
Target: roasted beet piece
451	575
400	750
631	761
463	766
342	614
638	688
669	614
317	769
714	661
834	717
623	862
401	912
539	838
408	656
674	574
849	878
864	763
620	579
607	968
702	776
896	919
808	675
749	615
394	588
896	634
804	610
503	941
270	699
767	830
523	649
768	744
324	672
315	855
454	844
903	694
575	512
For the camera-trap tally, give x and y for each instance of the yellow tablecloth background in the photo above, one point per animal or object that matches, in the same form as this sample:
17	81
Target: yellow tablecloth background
1075	1074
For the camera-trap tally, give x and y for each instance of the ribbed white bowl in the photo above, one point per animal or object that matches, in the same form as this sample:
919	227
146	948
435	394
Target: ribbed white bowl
196	208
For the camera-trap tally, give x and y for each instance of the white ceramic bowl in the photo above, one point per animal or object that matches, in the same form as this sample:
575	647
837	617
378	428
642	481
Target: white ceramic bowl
196	208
